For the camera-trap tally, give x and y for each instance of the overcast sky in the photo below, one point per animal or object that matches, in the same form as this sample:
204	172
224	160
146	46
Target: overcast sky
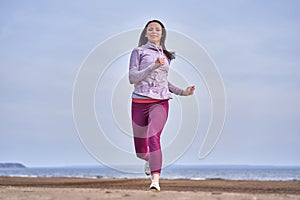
255	45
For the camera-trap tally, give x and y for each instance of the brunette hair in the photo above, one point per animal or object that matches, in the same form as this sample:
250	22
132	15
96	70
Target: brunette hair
143	40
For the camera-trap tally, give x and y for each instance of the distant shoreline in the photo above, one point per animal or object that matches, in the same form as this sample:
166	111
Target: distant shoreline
12	166
171	166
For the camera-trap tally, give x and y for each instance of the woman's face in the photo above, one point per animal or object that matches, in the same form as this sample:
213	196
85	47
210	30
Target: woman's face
154	33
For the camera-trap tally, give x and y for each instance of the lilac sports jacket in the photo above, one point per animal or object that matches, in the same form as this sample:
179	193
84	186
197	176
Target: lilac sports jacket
149	80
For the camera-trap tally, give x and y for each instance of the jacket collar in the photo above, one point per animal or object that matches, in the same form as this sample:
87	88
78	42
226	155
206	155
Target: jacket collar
153	46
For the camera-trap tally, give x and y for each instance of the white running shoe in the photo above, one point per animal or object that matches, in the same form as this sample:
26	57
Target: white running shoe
147	169
154	186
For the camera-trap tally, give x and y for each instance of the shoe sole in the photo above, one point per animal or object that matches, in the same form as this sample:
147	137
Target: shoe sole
153	189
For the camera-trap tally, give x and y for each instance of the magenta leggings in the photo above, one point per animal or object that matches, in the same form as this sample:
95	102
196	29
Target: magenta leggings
148	121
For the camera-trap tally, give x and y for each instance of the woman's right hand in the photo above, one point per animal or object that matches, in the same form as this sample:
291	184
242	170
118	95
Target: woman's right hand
159	62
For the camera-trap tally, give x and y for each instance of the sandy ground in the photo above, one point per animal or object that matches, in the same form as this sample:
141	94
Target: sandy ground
89	189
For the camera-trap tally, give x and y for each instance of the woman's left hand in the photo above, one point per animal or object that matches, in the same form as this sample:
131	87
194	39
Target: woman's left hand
189	91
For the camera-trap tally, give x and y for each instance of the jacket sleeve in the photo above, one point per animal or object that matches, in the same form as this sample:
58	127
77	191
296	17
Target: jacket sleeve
174	89
136	75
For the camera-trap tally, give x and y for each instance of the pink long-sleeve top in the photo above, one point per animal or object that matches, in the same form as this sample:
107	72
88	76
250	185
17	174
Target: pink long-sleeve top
148	79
